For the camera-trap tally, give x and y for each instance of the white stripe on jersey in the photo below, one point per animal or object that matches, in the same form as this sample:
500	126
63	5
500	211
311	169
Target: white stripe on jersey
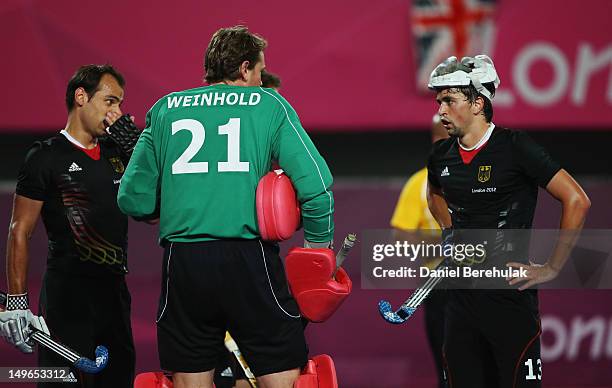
309	154
480	142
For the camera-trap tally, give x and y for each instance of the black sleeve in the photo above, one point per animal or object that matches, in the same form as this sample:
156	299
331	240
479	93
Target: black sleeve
34	175
534	160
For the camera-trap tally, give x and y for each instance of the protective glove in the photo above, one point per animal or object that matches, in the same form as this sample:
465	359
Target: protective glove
124	133
17	322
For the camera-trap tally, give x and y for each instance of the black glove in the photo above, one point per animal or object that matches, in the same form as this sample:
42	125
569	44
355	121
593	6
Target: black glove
125	134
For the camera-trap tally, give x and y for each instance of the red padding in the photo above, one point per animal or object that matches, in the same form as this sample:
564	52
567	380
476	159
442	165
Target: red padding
152	380
278	210
309	274
320	372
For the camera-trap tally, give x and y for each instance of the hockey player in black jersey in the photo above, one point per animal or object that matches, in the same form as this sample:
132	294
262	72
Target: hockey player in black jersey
487	177
71	181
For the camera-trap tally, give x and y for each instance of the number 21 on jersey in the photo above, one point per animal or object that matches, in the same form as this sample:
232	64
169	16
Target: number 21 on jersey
184	165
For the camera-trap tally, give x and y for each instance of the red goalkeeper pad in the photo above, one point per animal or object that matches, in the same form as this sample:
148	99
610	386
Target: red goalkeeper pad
278	210
319	372
152	380
309	274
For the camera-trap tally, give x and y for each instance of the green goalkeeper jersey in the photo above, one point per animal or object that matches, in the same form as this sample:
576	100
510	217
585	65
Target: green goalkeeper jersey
202	154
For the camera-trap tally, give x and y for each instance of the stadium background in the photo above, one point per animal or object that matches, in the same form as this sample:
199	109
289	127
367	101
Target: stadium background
354	72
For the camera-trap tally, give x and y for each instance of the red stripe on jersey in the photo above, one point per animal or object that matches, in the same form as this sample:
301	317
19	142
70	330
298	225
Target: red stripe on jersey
93	153
518	362
467	156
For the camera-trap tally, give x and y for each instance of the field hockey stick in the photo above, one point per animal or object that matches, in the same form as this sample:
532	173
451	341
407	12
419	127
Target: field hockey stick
232	346
349	242
405	311
83	364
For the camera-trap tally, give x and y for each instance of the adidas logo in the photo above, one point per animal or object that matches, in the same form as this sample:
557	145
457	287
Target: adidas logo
74	167
227	372
70	378
445	172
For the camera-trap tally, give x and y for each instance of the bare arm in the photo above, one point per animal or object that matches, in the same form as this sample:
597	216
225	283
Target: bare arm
575	205
438	206
25	215
574	200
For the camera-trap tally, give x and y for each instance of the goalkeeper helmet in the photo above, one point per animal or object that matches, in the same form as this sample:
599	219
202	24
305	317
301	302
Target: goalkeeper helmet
475	71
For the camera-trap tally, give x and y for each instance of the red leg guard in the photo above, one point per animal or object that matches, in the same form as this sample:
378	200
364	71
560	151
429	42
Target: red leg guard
152	380
320	372
317	293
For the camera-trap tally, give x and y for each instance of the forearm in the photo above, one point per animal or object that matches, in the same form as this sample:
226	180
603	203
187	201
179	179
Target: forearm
138	191
318	218
138	194
441	215
573	215
17	260
312	181
439	209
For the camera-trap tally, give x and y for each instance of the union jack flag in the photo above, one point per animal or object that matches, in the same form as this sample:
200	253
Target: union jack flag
442	28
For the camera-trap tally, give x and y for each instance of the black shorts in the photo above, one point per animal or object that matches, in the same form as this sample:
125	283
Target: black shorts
492	339
82	313
434	307
239	286
225	370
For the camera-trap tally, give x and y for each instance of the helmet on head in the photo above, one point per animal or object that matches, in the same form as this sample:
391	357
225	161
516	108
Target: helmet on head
476	71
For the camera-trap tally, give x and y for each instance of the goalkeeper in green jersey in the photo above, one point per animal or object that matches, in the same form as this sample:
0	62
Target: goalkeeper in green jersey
196	166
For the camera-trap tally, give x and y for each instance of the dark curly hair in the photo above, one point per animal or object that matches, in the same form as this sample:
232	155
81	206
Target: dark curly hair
228	49
270	80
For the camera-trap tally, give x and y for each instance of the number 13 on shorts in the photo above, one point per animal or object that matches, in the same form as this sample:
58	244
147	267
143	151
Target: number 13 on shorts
531	373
